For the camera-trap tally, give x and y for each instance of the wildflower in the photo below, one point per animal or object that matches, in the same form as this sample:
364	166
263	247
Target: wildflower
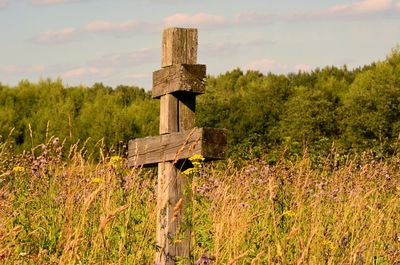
289	213
190	171
329	245
196	158
56	141
18	169
196	164
203	260
114	160
97	180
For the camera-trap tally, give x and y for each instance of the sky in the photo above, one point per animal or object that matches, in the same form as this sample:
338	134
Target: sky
118	42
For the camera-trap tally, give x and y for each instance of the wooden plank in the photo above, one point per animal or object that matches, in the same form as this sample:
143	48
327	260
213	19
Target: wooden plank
167	197
179	46
169	120
167	187
186	114
181	77
186	111
209	142
173	235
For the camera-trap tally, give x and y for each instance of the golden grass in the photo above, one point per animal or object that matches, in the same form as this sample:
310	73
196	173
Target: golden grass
69	211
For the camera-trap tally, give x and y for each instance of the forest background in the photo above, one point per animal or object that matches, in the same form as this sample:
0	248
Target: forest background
349	110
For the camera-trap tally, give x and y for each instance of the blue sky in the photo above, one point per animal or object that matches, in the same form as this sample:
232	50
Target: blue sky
118	41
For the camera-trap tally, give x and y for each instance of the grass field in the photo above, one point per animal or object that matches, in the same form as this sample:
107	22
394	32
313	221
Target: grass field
58	208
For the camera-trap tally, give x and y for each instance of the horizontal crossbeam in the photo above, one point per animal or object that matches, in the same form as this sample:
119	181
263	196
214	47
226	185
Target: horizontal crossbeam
181	77
210	143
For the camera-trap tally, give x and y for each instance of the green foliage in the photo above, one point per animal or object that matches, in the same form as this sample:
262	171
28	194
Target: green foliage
35	112
352	110
371	111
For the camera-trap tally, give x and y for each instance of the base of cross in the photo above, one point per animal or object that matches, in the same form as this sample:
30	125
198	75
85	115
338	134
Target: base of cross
171	152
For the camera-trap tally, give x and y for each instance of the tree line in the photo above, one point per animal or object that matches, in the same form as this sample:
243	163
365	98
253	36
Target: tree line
331	107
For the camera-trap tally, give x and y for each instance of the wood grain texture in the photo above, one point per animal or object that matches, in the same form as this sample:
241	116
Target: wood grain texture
179	46
173	239
186	111
181	77
168	192
173	235
209	142
169	119
177	85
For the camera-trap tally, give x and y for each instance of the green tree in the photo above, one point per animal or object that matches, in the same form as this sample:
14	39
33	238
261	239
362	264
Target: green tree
371	111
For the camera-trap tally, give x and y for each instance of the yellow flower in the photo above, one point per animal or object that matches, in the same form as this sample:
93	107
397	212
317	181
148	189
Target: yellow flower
18	169
329	245
196	158
97	180
190	171
197	164
289	213
114	160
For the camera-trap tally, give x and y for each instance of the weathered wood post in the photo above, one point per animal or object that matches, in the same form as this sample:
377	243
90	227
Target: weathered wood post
176	85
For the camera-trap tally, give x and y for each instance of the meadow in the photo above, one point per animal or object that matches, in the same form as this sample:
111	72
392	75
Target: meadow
312	174
61	205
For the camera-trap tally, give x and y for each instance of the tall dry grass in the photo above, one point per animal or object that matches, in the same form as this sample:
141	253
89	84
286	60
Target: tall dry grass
58	208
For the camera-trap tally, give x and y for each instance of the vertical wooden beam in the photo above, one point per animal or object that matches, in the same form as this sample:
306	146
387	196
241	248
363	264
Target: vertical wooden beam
186	111
166	199
179	46
169	114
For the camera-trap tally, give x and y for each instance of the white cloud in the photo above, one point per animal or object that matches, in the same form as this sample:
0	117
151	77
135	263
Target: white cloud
47	2
96	26
398	6
361	7
253	18
209	21
127	58
232	47
56	36
104	25
25	69
51	2
86	72
196	20
266	65
4	3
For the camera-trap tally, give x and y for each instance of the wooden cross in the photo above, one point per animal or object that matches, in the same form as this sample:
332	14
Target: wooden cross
176	85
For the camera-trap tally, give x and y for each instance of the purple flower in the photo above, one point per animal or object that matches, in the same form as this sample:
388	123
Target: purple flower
203	260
